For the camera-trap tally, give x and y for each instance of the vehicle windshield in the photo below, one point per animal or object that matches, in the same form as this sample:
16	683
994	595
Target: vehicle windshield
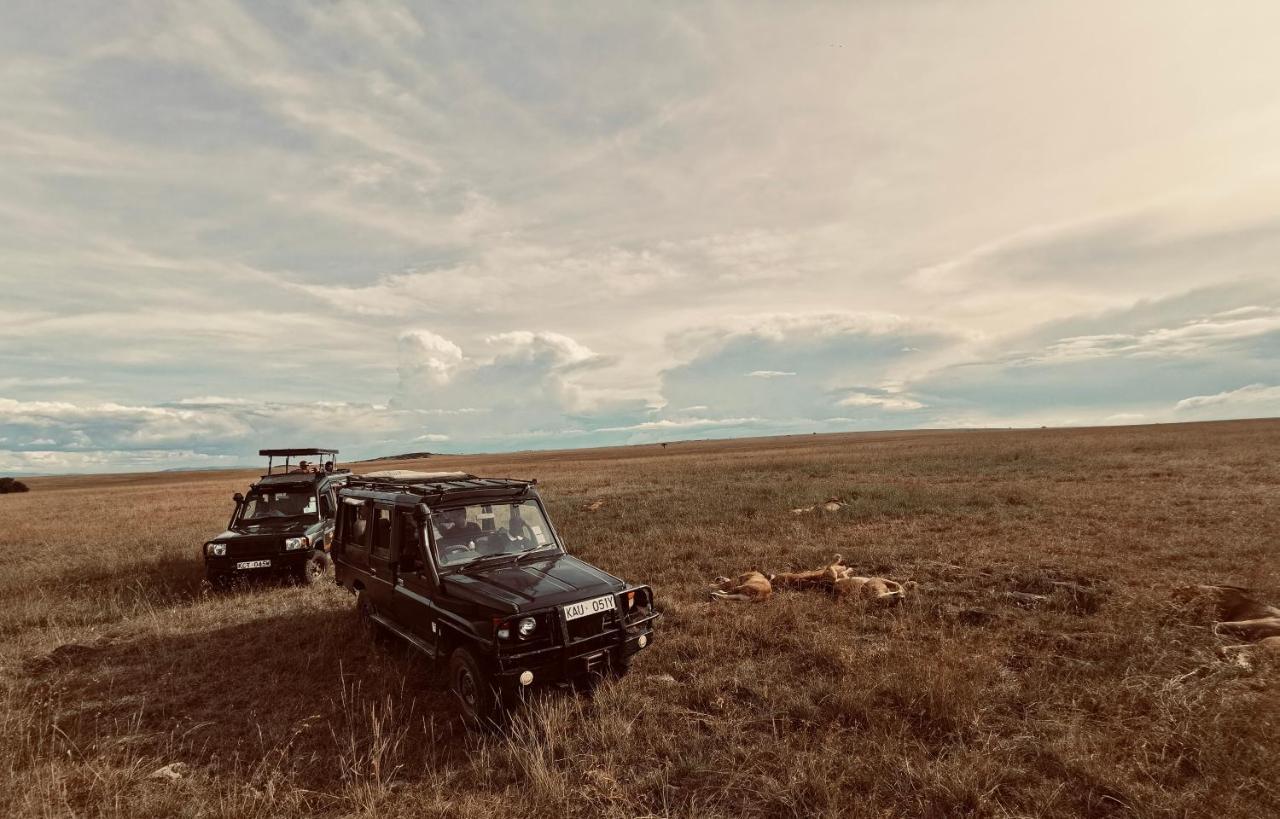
275	504
467	533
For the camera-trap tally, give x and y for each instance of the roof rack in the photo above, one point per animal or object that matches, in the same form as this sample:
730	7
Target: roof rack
287	454
439	484
412	476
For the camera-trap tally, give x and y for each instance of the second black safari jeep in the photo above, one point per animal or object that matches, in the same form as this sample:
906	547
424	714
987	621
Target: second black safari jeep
470	570
284	524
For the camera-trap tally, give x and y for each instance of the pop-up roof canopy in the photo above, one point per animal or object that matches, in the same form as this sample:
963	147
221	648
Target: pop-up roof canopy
283	453
287	454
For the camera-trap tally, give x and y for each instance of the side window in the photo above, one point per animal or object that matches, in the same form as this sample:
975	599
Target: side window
382	532
353	524
326	505
408	536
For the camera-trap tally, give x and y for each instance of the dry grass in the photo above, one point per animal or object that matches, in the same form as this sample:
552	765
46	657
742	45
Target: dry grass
115	661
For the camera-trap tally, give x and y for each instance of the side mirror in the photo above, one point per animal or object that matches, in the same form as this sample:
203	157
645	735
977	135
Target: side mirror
238	498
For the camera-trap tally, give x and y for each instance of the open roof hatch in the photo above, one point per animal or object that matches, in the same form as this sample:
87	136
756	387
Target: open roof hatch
289	454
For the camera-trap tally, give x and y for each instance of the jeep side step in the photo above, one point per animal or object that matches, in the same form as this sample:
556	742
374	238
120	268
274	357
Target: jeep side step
412	639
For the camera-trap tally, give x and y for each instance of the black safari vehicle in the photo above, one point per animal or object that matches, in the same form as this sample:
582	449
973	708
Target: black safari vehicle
471	570
285	523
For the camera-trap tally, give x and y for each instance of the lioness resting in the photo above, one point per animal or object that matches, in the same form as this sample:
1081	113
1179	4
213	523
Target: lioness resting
842	582
1263	628
1230	603
751	587
823	578
1240	615
874	589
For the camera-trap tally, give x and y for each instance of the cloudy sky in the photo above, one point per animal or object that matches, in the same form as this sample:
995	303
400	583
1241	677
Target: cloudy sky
464	227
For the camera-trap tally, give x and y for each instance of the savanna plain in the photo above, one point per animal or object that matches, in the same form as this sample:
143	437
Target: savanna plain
1088	691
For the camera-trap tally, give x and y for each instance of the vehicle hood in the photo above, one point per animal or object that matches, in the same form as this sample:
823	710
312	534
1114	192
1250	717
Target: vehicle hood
266	531
534	584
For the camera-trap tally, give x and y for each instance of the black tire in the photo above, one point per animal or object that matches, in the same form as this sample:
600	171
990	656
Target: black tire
318	566
219	581
364	614
480	703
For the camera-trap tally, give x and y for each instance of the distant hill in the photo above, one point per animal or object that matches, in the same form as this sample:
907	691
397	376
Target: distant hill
408	456
207	468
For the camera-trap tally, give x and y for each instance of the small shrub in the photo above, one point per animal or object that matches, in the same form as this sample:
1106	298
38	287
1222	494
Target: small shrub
8	485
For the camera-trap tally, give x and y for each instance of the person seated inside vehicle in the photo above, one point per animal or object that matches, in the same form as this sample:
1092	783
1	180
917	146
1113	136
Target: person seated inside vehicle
453	529
518	530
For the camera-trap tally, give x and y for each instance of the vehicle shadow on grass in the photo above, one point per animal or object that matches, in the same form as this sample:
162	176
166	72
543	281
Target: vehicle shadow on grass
111	591
305	697
166	580
100	594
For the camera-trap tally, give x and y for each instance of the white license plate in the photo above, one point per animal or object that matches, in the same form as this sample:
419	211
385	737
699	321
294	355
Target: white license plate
588	607
254	564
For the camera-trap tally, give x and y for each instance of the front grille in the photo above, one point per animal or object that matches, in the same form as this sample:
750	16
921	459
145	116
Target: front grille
253	548
593	625
588	626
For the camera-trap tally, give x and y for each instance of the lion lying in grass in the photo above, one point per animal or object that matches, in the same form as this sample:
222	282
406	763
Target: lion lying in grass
1239	615
752	587
841	581
835	578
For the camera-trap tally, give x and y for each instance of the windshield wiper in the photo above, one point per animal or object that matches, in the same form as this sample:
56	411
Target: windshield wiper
534	551
486	560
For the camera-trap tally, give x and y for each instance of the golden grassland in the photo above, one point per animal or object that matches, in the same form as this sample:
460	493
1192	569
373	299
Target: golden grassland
116	660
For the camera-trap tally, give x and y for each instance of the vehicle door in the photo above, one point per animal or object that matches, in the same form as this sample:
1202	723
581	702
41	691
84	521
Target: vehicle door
352	547
382	569
327	497
415	585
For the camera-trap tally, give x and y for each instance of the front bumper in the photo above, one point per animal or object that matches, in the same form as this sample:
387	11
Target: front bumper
574	658
279	562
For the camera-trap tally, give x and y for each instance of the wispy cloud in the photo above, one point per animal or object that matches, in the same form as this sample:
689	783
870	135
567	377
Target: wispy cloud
894	403
1259	399
37	381
667	424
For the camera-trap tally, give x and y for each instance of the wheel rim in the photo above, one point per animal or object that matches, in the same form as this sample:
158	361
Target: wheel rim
315	568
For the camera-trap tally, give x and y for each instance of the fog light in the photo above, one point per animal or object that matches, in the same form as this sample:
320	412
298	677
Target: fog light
642	641
526	677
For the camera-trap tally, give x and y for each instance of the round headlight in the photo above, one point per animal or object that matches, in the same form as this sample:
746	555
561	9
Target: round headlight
526	626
